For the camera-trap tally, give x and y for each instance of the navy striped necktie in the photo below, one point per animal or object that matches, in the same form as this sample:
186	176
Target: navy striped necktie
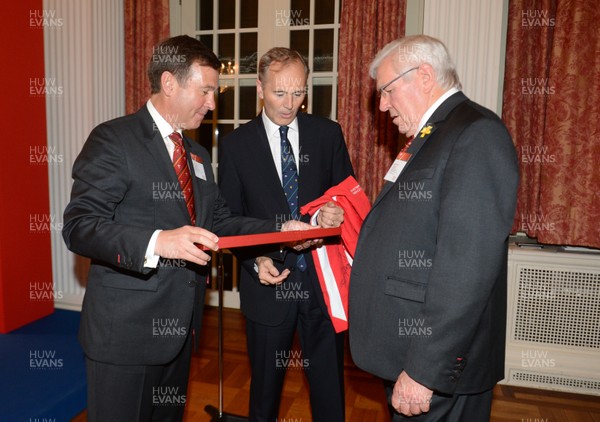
289	181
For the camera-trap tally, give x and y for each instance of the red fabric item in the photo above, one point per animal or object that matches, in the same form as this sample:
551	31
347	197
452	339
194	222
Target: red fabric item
333	261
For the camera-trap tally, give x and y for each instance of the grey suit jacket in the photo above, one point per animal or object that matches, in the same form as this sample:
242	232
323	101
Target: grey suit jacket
428	284
124	189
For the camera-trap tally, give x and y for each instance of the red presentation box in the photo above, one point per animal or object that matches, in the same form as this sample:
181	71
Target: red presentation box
226	242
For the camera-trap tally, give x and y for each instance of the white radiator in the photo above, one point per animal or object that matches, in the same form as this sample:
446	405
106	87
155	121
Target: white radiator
553	327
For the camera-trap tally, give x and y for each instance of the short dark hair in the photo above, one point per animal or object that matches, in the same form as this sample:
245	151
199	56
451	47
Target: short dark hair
281	55
177	55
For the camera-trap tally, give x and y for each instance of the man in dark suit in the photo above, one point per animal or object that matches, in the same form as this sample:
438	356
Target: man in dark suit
428	285
277	296
143	198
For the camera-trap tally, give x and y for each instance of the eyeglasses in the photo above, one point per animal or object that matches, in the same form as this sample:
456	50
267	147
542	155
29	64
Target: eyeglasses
382	92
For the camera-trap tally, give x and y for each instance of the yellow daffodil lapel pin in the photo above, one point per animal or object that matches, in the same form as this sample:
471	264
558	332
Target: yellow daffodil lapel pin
426	131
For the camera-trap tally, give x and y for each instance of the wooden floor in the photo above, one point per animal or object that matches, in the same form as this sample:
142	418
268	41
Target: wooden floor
365	399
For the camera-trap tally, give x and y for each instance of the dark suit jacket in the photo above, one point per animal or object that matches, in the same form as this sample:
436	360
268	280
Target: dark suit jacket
428	284
124	188
249	182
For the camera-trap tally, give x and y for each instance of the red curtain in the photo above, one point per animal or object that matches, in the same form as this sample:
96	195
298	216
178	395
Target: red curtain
365	27
146	23
552	109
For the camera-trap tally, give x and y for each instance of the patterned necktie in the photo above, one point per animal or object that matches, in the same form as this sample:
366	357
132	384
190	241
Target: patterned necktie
408	143
403	154
289	176
183	174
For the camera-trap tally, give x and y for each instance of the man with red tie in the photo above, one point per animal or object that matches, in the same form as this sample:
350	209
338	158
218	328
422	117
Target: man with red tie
428	284
143	198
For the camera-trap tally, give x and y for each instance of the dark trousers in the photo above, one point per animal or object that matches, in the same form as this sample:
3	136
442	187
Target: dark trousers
456	408
132	393
321	359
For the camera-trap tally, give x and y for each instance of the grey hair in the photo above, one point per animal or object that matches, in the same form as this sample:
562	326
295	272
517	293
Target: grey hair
416	50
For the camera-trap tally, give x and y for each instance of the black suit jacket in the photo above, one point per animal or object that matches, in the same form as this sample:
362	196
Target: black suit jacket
249	182
124	189
428	283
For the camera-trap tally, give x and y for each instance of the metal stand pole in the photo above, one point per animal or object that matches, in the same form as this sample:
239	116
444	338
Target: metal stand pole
218	414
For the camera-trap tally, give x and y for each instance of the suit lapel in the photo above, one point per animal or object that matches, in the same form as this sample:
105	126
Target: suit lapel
156	146
263	156
265	162
414	148
437	119
305	148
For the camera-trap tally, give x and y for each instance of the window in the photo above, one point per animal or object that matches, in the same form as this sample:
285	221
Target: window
240	31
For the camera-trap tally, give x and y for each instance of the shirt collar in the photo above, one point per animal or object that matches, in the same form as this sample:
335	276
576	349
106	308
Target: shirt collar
162	125
434	107
273	129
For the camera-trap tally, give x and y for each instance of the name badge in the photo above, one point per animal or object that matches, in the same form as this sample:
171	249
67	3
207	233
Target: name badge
198	167
397	167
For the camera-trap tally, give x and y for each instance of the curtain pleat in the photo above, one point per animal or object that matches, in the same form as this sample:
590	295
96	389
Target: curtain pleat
146	23
373	141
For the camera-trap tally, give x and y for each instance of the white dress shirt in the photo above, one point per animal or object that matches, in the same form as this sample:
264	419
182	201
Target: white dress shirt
274	138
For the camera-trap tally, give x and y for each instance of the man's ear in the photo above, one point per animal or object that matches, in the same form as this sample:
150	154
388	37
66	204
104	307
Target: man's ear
427	77
168	82
259	89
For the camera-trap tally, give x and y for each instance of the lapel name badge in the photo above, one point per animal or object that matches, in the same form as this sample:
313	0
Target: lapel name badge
198	166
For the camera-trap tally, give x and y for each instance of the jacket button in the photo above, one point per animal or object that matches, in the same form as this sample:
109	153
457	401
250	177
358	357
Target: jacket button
191	283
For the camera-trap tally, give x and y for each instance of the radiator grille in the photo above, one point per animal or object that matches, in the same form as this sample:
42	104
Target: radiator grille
556	381
558	307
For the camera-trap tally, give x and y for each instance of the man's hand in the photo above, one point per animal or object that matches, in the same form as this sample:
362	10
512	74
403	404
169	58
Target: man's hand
181	244
330	215
267	273
409	397
294	225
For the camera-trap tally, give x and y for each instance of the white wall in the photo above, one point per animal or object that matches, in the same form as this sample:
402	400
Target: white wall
475	33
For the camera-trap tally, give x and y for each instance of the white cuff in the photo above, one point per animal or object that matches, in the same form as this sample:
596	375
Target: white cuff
150	259
313	219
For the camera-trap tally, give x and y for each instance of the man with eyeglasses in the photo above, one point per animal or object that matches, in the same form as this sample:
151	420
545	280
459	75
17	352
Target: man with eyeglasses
428	285
143	200
268	168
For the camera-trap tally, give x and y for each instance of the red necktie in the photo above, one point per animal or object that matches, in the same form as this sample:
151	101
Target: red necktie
403	155
183	174
408	144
